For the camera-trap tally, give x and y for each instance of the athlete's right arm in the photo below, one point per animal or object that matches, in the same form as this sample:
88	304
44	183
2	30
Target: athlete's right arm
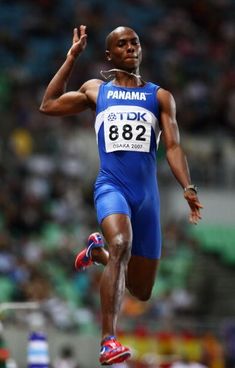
56	101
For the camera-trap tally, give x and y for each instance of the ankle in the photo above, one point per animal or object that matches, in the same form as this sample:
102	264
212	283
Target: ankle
107	337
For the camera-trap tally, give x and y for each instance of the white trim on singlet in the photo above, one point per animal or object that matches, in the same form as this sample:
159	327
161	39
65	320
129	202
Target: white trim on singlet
98	122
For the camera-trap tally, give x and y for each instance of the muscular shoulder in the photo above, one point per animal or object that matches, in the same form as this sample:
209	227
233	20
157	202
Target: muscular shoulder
91	84
164	96
91	89
166	99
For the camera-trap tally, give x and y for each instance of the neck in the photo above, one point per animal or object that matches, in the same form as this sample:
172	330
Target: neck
118	74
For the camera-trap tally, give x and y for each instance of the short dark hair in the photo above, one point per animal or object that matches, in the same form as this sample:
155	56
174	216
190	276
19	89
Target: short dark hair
109	37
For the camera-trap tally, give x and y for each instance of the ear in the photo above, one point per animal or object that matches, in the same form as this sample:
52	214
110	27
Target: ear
107	53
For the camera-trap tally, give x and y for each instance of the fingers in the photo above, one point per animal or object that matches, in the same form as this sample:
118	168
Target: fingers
193	219
195	214
79	41
82	30
195	206
76	36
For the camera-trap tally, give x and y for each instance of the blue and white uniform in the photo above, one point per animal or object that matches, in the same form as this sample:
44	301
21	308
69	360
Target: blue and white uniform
127	132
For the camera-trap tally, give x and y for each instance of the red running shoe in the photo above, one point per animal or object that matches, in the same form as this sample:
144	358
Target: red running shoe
113	352
84	259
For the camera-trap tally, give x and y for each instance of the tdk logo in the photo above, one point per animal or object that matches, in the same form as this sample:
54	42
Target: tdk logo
126	95
134	116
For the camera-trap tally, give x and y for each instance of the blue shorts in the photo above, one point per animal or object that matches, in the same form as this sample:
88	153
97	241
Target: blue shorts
144	216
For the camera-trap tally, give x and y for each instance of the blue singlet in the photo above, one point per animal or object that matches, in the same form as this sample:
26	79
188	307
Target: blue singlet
127	131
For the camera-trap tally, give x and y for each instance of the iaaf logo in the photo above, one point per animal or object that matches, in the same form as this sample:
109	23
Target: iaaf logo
137	116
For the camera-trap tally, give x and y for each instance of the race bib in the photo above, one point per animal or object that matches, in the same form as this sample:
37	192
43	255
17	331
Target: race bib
127	129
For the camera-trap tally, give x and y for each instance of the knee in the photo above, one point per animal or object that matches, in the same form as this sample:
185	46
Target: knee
120	248
141	294
145	296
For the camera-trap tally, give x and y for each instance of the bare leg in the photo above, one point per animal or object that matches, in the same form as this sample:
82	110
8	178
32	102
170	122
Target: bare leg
141	275
138	277
118	234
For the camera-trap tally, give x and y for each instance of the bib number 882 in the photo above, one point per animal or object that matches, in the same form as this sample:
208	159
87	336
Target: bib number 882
127	132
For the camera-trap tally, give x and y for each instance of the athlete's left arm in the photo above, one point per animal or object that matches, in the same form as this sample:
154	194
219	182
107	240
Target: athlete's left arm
174	152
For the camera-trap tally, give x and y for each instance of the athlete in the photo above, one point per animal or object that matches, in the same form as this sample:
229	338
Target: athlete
131	115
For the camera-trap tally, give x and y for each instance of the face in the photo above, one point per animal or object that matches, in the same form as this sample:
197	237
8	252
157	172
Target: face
124	49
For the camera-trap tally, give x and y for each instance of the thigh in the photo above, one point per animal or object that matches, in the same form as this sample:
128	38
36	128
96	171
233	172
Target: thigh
109	202
116	228
141	276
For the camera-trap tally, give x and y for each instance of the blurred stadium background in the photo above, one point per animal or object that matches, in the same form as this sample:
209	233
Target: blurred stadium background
48	166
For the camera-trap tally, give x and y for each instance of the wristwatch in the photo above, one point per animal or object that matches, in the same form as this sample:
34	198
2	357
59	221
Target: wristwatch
191	187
